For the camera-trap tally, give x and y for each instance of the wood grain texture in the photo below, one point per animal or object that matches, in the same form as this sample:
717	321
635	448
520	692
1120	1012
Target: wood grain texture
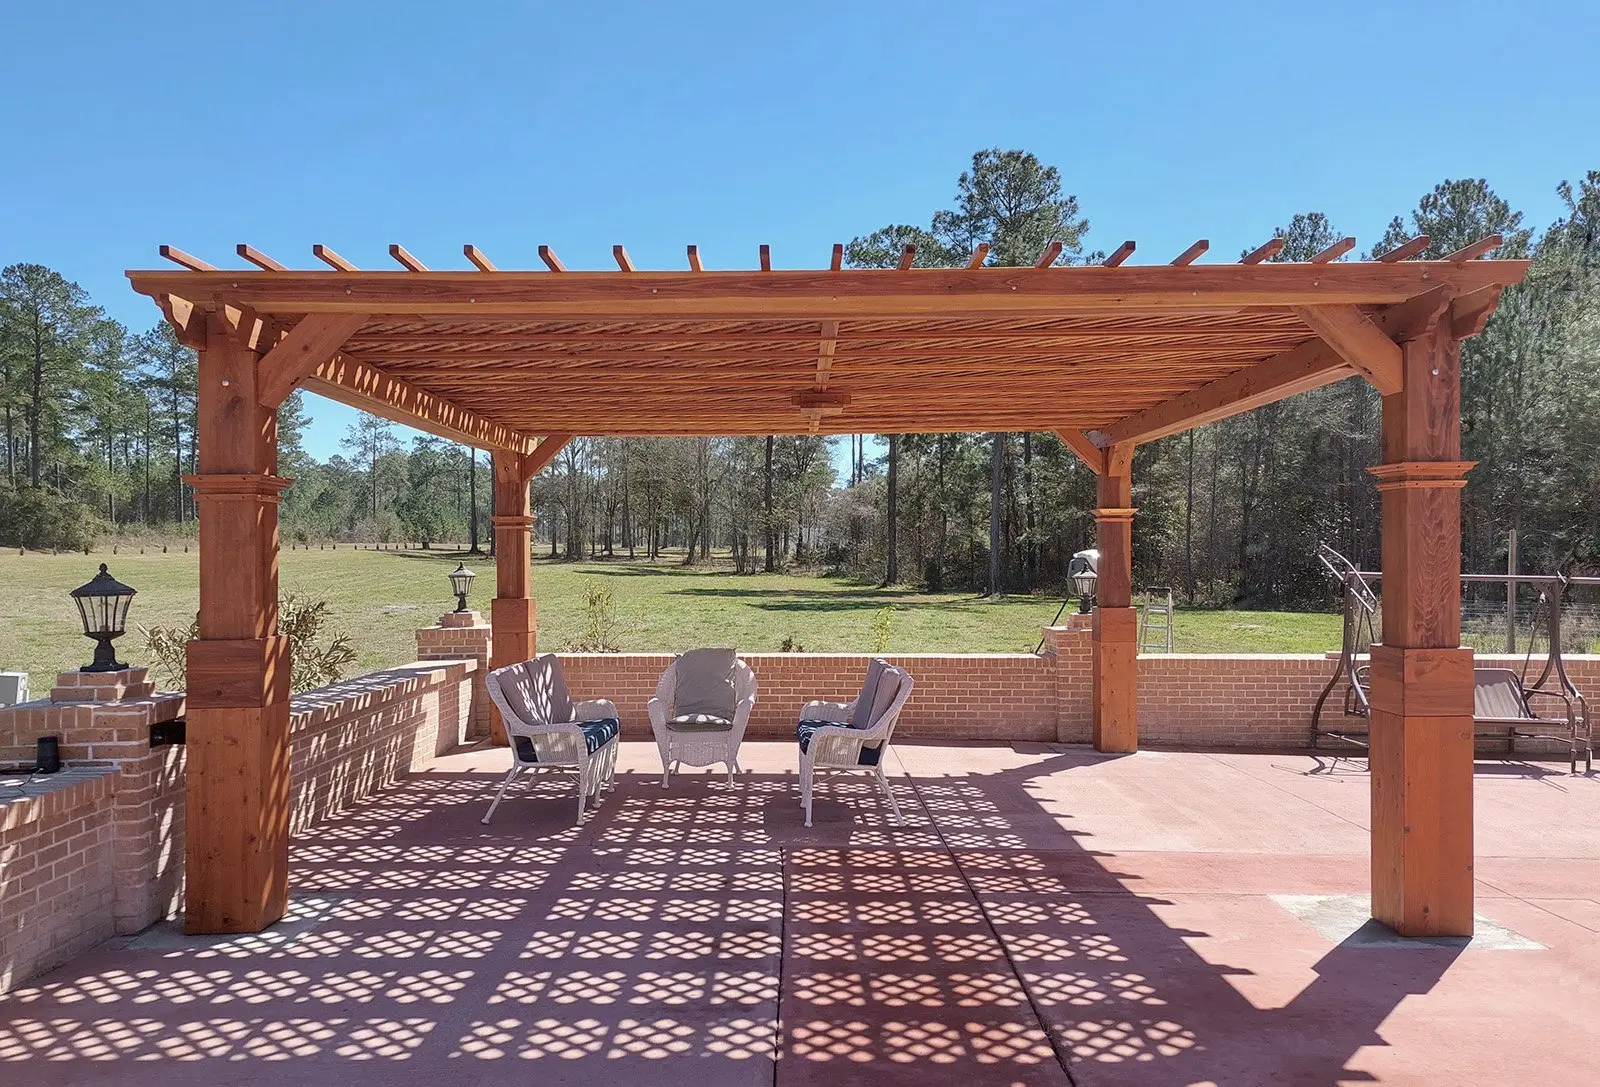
513	613
237	779
1115	683
470	355
1421	724
1359	342
312	342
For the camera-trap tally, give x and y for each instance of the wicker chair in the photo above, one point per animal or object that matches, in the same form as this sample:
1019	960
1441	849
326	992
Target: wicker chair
695	727
549	731
853	736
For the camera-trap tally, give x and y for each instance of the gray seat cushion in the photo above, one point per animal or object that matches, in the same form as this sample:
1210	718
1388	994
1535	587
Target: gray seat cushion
700	722
862	716
704	685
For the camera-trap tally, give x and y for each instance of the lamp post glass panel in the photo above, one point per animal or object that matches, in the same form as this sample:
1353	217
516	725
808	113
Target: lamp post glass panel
1084	582
1085	579
103	607
461	584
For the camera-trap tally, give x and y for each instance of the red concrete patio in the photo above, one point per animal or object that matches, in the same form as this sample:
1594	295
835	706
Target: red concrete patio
1047	915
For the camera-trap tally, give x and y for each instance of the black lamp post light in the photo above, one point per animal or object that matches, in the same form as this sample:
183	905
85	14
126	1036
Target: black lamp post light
1085	582
460	584
1085	579
103	607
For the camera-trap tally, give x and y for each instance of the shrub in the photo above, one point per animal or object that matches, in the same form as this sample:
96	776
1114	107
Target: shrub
317	658
882	629
599	620
38	519
791	645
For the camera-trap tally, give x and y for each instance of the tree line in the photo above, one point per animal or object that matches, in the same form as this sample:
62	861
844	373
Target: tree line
99	429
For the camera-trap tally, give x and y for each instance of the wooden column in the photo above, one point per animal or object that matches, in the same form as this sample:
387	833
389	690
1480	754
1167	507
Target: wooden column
516	630
1116	676
237	824
1422	691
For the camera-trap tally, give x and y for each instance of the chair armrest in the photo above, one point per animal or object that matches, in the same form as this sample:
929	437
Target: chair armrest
741	717
593	709
820	710
658	712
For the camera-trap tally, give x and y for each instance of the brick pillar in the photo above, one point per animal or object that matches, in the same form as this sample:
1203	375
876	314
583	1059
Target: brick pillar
1422	690
462	634
1116	625
1070	650
105	717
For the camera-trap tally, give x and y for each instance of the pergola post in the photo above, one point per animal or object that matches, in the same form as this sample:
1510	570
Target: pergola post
237	822
1116	677
1422	685
515	627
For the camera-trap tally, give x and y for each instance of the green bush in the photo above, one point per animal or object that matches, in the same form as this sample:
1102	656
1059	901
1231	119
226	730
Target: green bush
316	659
599	620
37	519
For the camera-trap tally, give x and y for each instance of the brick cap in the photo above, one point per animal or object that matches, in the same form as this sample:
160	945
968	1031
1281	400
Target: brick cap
460	619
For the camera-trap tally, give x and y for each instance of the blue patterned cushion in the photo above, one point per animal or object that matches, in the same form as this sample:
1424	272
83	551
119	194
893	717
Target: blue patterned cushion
807	729
596	734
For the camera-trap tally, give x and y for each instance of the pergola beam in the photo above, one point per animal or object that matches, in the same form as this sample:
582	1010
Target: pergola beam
1360	342
405	259
1093	457
549	447
370	389
479	261
309	344
1309	366
925	292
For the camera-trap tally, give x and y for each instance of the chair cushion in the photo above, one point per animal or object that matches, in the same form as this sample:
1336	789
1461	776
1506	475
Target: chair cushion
596	734
883	696
861	717
807	729
537	691
704	684
699	722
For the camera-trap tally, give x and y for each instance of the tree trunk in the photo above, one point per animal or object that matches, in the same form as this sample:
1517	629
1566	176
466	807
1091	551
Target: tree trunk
472	501
892	567
997	560
766	498
1188	524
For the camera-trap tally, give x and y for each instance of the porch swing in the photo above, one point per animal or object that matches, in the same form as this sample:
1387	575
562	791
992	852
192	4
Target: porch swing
1506	705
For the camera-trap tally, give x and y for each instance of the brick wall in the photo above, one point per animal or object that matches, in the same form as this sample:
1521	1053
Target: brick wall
97	850
1219	700
56	873
350	739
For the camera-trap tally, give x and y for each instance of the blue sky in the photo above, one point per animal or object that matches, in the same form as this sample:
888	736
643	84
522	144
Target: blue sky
729	125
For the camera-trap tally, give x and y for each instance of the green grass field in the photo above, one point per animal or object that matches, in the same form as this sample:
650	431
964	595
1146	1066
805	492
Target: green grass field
382	597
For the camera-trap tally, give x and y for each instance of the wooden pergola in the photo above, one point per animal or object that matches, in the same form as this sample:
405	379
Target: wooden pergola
1105	356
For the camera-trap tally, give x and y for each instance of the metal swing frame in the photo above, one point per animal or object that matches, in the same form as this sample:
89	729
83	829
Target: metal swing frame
1497	689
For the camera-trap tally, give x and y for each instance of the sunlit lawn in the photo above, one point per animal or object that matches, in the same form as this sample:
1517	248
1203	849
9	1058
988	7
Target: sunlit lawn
382	597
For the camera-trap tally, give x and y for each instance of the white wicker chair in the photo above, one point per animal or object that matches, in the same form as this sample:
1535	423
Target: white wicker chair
829	742
549	731
701	746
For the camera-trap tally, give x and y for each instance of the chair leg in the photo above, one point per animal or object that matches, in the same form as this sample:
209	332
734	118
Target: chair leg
504	785
806	786
583	790
894	805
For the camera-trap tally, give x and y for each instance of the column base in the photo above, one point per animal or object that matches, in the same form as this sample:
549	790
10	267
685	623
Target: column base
1422	866
236	826
1116	680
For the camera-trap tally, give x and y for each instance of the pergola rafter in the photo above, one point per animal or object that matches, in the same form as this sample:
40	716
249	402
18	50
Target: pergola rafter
1107	356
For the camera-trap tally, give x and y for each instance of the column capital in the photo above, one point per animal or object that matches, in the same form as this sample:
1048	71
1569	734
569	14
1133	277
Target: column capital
1417	474
239	485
